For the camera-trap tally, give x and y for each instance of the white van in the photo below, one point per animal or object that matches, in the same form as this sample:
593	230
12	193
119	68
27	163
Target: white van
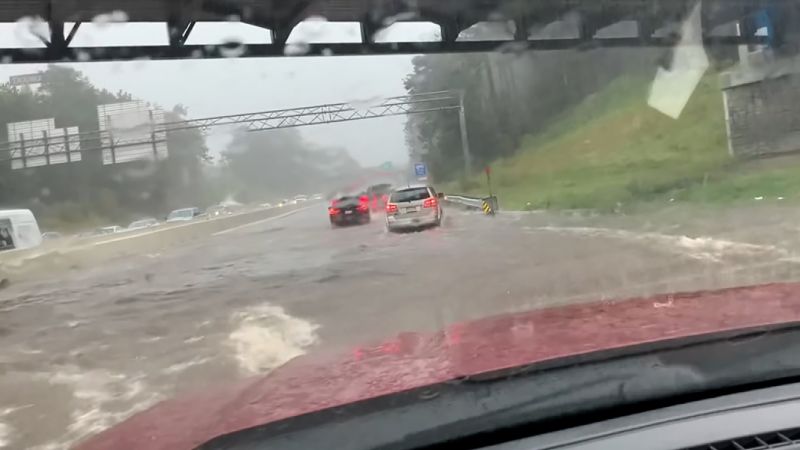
18	229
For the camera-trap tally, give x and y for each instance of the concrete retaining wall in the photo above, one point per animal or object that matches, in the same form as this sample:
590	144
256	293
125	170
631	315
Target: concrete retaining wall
762	106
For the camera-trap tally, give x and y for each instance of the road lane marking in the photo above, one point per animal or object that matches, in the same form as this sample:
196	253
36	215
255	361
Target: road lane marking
258	222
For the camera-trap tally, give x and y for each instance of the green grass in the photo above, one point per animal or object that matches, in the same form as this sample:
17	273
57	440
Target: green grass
613	149
727	187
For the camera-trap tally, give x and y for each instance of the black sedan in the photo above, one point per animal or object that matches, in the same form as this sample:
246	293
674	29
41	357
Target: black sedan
349	210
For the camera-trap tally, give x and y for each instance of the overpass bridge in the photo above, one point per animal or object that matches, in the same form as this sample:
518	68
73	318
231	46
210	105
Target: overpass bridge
653	24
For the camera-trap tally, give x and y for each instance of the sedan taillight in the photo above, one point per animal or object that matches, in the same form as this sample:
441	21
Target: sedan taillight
430	202
334	211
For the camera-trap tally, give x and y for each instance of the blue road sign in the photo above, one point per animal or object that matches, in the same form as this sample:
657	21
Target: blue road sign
763	20
421	170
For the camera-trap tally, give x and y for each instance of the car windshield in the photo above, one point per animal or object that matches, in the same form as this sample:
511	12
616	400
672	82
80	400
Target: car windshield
540	179
410	195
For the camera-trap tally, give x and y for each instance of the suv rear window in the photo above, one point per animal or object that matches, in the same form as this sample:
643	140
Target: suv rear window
410	195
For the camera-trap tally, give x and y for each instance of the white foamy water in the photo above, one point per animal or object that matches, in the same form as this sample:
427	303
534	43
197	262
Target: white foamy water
100	400
193	339
701	248
5	435
180	367
266	337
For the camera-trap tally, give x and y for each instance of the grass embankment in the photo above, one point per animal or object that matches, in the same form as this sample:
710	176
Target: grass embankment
613	149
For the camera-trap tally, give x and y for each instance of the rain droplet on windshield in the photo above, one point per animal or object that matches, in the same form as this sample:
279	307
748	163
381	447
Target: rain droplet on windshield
514	47
309	30
327	52
31	31
83	56
408	15
232	49
367	103
496	16
140	62
314	26
296	48
103	20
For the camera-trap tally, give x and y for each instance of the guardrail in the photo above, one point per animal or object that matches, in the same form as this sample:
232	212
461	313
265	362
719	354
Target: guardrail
488	204
470	202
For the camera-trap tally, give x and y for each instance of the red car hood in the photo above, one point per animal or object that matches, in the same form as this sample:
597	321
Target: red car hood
412	360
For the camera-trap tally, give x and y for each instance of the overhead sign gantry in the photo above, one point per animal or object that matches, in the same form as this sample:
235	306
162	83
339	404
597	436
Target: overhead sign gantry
653	19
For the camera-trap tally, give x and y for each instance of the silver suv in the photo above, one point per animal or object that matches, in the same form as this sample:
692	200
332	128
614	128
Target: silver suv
413	207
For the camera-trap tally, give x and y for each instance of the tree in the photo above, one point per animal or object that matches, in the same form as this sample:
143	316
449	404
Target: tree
507	95
279	163
78	193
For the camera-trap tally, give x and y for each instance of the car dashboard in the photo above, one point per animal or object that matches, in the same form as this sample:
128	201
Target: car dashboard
759	419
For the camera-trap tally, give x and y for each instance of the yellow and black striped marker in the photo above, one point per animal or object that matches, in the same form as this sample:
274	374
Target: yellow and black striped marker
487	208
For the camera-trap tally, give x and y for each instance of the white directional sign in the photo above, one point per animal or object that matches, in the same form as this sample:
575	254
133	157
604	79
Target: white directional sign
131	131
39	143
22	80
421	171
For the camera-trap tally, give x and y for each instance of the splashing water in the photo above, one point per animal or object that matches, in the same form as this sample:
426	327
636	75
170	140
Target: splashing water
101	399
266	337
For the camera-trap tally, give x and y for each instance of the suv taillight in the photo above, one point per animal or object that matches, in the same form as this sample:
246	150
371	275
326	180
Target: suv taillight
430	202
391	208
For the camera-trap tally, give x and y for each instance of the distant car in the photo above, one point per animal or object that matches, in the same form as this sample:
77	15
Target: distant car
18	229
379	189
283	202
111	229
143	223
300	198
413	207
316	197
349	210
266	205
379	195
219	210
183	215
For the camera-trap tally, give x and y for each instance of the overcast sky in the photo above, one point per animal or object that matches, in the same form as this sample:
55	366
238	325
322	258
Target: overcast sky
230	86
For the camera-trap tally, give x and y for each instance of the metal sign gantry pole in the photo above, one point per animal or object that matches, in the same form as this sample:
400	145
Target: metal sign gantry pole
286	118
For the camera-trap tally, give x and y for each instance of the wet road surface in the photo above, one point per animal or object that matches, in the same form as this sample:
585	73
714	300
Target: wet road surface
85	349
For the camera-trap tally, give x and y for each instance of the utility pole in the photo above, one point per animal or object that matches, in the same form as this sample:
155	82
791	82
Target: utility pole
462	122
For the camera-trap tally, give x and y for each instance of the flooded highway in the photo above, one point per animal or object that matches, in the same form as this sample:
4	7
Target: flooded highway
87	348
